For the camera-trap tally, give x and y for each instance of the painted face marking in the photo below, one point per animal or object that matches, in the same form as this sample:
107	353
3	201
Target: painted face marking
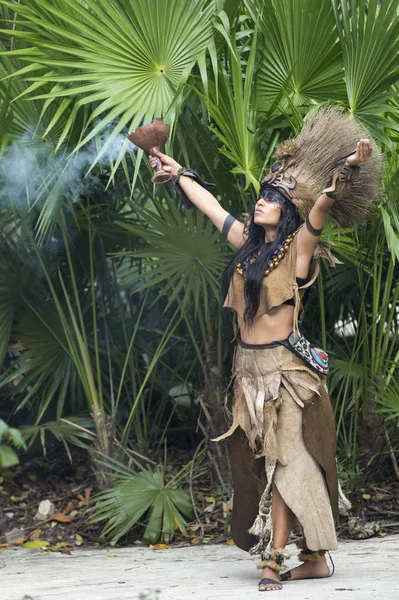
275	203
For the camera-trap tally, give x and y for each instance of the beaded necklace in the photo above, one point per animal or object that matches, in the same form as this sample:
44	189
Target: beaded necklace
277	256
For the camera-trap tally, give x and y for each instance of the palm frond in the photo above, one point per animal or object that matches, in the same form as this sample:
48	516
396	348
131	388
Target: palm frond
369	35
182	253
125	59
300	51
142	496
73	430
387	398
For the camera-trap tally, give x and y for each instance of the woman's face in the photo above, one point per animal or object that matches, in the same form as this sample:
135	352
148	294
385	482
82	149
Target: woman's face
267	211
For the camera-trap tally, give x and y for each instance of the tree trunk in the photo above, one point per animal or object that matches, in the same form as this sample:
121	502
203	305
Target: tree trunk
212	404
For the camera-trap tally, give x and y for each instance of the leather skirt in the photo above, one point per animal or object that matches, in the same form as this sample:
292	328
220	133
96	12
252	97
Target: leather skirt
282	434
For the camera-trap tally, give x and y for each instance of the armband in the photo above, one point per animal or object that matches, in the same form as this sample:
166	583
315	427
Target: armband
184	200
341	178
311	229
228	224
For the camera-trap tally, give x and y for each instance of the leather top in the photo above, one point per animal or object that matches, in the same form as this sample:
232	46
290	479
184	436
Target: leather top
277	287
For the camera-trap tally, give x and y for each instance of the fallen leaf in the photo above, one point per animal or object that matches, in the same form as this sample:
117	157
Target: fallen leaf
58	516
10	544
195	541
35	535
79	540
209	499
380	496
15	498
87	493
73	513
112	555
59	545
158	547
230	543
197	526
36	544
227	507
366	496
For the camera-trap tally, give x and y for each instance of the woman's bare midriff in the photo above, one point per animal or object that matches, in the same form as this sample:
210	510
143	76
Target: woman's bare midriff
276	325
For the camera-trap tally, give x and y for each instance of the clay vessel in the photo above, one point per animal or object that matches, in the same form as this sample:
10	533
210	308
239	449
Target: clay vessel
150	137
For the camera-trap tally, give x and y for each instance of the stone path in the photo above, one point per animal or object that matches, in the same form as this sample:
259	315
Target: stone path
366	570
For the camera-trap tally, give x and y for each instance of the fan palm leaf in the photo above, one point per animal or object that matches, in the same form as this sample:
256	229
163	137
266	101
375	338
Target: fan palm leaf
125	59
69	430
44	366
182	254
300	51
369	35
137	494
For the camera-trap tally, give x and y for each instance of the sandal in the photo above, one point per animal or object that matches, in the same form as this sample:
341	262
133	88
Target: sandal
269	581
287	575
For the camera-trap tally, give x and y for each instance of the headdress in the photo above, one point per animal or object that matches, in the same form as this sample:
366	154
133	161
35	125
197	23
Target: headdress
305	165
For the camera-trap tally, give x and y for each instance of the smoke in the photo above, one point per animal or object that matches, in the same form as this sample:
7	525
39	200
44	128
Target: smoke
31	174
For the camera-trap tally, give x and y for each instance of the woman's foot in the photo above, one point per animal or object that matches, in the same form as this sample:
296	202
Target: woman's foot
308	570
268	573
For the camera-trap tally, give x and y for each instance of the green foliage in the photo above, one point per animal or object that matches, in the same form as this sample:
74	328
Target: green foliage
9	436
142	496
73	430
182	253
301	53
127	58
368	32
109	295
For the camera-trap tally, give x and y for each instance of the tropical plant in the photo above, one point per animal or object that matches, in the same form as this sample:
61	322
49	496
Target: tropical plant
109	295
143	496
9	436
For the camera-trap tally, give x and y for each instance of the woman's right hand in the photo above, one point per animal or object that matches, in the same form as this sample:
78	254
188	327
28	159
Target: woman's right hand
168	164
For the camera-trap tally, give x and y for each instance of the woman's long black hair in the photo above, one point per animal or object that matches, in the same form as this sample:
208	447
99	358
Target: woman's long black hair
289	222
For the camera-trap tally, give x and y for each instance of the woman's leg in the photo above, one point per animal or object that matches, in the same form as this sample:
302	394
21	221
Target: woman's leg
283	522
314	565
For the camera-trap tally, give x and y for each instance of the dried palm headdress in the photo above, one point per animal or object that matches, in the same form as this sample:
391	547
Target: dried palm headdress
305	165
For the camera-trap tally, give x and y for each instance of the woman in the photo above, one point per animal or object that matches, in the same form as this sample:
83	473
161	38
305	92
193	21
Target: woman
282	444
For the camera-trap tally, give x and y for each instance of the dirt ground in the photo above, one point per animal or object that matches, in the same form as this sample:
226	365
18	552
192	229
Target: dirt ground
365	570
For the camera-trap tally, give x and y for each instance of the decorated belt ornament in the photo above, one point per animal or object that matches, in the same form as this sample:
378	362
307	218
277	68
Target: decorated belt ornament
316	358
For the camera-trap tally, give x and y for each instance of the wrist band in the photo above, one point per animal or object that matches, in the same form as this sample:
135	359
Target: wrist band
311	229
227	224
184	200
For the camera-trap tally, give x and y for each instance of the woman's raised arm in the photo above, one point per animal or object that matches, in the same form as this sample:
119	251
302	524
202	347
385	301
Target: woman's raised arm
309	236
204	201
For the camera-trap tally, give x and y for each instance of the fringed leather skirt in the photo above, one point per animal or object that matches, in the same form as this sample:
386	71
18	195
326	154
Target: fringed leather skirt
282	433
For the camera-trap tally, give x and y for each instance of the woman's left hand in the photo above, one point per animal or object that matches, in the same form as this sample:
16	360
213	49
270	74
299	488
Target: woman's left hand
363	153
